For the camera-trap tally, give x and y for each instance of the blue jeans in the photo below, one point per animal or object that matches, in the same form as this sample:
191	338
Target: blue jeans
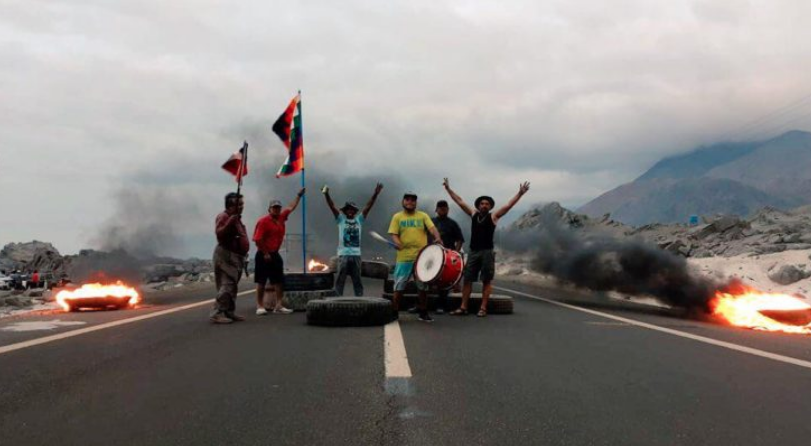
349	265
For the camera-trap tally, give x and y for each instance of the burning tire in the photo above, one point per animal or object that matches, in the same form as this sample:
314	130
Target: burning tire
309	282
350	312
298	300
374	270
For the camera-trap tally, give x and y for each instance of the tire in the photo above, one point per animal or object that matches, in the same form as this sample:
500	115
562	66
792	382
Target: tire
298	300
374	270
411	287
498	303
350	312
309	282
410	300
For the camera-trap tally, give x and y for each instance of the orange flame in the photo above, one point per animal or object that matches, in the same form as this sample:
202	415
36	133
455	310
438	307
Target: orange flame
749	309
315	265
91	290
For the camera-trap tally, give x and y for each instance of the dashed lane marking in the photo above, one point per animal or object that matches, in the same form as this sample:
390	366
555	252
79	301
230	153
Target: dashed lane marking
396	359
81	331
670	331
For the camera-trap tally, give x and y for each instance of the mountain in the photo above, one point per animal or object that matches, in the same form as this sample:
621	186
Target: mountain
729	178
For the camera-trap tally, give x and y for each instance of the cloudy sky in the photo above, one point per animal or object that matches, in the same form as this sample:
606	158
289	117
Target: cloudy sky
117	114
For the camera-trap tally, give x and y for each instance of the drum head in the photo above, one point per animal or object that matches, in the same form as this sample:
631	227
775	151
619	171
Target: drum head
429	263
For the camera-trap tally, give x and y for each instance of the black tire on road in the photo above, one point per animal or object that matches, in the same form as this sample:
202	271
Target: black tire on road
374	270
498	303
350	312
298	300
309	282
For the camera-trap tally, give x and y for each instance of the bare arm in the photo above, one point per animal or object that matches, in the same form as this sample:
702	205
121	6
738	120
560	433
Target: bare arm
294	204
368	207
457	199
506	208
396	239
435	234
331	203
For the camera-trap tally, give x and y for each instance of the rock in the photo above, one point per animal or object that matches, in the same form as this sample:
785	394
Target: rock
791	238
34	293
18	301
788	274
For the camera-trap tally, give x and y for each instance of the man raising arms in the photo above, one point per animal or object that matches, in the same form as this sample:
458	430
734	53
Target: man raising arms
481	261
269	235
409	231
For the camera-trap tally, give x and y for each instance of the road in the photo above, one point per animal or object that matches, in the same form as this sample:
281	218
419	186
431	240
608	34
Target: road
587	372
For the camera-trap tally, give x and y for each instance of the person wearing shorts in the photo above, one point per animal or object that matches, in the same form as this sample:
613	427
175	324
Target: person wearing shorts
269	235
409	231
481	261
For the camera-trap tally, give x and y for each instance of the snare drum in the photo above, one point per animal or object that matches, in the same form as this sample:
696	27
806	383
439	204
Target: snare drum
439	267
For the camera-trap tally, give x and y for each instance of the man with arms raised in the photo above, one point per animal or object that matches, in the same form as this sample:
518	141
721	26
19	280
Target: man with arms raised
269	235
350	228
409	231
229	258
481	260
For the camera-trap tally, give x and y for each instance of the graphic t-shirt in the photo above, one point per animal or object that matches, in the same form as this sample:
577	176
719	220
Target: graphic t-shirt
413	231
349	231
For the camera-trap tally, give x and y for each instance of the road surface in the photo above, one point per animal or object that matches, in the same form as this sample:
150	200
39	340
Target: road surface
565	369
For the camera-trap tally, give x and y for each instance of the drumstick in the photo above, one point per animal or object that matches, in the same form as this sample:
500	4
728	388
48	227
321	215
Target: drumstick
380	238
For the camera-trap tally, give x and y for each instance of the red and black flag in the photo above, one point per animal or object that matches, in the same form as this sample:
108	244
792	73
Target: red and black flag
237	165
288	127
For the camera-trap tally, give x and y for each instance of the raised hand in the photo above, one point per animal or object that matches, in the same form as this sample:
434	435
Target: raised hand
301	192
446	183
524	188
378	188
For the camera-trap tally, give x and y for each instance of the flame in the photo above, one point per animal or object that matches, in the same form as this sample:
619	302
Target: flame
91	290
315	265
750	307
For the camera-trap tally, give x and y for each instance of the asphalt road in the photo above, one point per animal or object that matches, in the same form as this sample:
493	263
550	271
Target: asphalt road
548	374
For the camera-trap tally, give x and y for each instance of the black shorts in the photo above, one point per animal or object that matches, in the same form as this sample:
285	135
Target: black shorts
480	264
269	270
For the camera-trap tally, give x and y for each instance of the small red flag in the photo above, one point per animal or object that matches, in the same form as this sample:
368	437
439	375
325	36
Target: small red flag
237	165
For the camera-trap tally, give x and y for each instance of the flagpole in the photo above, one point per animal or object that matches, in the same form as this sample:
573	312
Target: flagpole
242	166
304	197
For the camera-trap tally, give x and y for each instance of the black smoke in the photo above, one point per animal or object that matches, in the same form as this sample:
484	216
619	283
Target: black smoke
601	262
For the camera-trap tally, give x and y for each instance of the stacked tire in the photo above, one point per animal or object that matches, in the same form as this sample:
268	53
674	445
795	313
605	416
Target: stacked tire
300	288
350	312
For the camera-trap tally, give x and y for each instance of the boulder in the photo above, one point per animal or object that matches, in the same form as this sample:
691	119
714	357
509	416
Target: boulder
788	274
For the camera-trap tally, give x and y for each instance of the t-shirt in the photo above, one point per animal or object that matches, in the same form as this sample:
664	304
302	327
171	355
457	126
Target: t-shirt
231	233
449	230
349	231
269	232
413	231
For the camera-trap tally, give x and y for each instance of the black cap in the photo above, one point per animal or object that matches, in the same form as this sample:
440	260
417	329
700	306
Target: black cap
409	194
482	198
441	204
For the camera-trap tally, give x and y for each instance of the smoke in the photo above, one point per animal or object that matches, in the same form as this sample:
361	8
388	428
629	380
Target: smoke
603	263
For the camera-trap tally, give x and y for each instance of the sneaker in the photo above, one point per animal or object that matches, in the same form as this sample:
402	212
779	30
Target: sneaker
440	311
413	310
220	318
235	317
282	310
425	317
261	311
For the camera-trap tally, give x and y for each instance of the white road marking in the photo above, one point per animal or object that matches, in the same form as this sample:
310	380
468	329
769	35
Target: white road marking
81	331
40	325
682	334
396	360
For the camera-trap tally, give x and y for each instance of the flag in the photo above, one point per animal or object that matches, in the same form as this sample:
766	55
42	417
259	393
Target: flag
237	165
288	127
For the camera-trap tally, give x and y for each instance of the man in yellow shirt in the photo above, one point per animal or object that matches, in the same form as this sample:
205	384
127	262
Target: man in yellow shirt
409	231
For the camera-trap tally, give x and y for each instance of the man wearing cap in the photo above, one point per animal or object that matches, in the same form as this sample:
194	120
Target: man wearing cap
409	231
229	258
452	238
481	261
269	235
350	226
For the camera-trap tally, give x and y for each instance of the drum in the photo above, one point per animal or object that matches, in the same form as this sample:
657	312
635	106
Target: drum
439	267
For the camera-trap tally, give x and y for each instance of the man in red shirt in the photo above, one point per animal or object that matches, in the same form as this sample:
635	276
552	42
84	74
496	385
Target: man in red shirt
229	258
269	235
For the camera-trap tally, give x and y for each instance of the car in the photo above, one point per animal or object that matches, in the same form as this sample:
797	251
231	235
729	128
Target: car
5	282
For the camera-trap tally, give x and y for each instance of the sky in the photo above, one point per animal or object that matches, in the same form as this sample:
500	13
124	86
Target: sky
116	116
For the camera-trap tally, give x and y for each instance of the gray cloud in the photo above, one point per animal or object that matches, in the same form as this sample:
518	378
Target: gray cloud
577	97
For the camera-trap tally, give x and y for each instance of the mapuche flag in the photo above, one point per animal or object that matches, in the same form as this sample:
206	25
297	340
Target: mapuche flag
237	165
288	127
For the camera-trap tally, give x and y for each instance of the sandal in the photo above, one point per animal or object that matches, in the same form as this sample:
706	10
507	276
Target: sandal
482	313
459	312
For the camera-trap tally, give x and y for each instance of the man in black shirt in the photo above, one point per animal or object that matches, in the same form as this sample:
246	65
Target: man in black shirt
452	238
481	261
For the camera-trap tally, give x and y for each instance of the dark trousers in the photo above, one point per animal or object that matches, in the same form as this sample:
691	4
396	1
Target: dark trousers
350	265
228	268
442	300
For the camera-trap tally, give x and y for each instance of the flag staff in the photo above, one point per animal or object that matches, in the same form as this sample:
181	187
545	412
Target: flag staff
242	165
304	197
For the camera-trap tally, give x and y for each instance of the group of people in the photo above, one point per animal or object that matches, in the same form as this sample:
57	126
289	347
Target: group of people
410	230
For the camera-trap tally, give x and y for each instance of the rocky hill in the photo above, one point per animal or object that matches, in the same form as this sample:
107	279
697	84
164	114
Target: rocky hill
730	178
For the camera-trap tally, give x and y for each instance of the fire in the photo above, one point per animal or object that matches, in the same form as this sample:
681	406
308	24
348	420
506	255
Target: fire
315	265
97	290
763	311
